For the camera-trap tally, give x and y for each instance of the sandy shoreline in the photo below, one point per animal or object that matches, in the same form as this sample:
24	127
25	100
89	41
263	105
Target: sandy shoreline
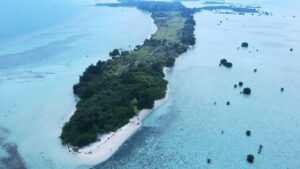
108	144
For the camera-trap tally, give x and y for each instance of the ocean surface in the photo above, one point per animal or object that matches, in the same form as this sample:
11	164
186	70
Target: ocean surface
189	129
39	66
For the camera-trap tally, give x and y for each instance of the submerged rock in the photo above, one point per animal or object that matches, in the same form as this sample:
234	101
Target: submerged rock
222	61
208	161
282	89
291	49
248	133
225	63
250	158
235	86
244	44
247	91
241	84
228	64
228	103
255	70
260	149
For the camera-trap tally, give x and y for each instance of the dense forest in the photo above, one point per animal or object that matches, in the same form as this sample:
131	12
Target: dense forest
113	91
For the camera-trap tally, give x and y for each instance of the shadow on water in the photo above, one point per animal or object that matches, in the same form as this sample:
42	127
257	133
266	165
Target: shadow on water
12	158
130	148
39	53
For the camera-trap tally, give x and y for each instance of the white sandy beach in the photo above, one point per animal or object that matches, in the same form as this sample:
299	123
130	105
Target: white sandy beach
109	143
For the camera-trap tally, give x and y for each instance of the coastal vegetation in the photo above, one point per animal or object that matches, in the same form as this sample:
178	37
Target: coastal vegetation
250	158
225	63
247	91
114	53
113	91
248	133
244	44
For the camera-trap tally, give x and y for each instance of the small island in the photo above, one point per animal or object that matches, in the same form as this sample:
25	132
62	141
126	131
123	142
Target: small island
247	91
244	44
250	158
225	63
114	91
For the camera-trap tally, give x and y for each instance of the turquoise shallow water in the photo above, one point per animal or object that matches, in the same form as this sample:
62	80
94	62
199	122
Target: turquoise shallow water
19	17
37	72
187	129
